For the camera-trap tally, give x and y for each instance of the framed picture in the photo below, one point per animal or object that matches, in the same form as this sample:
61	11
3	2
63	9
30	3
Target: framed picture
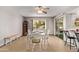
77	22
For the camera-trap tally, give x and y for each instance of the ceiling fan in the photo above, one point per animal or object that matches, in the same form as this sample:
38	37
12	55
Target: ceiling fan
42	9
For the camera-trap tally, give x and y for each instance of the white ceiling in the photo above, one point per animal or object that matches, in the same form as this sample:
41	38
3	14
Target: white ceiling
29	11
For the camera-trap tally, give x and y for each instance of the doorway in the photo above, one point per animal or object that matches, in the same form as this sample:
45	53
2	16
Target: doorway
25	28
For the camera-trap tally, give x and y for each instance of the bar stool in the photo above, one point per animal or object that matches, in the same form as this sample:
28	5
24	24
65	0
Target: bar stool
77	35
68	36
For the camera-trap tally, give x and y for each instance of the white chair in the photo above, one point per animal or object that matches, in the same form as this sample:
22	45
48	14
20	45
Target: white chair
33	39
29	36
37	35
36	39
45	39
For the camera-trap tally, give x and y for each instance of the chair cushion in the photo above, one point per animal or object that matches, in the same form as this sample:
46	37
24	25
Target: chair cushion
35	40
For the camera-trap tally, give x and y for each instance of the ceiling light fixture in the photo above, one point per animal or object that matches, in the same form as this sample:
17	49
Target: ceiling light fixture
41	9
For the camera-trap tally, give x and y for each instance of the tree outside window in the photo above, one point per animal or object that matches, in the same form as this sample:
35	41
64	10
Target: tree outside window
38	24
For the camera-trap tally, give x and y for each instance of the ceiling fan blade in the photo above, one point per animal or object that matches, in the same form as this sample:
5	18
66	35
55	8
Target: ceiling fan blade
42	9
44	12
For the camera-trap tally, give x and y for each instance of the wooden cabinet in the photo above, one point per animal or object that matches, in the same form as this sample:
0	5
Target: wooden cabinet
25	28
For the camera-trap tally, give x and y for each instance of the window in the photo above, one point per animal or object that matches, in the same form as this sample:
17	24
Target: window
38	24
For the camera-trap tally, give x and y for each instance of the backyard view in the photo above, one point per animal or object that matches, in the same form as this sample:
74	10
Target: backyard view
38	24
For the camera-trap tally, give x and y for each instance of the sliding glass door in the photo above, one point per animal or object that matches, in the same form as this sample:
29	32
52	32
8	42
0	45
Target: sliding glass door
59	27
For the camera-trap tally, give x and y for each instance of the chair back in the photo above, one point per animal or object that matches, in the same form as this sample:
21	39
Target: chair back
29	32
66	33
70	33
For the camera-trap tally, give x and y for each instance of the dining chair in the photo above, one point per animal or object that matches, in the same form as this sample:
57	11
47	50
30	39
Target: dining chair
45	39
33	38
77	35
36	41
37	37
71	36
29	36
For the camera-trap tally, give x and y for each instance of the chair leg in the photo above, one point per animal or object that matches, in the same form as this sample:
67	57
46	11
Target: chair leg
28	44
41	42
40	46
70	44
33	47
44	43
66	41
75	43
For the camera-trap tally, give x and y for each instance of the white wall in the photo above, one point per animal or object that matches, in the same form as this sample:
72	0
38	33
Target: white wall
50	25
10	22
30	24
70	22
70	19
